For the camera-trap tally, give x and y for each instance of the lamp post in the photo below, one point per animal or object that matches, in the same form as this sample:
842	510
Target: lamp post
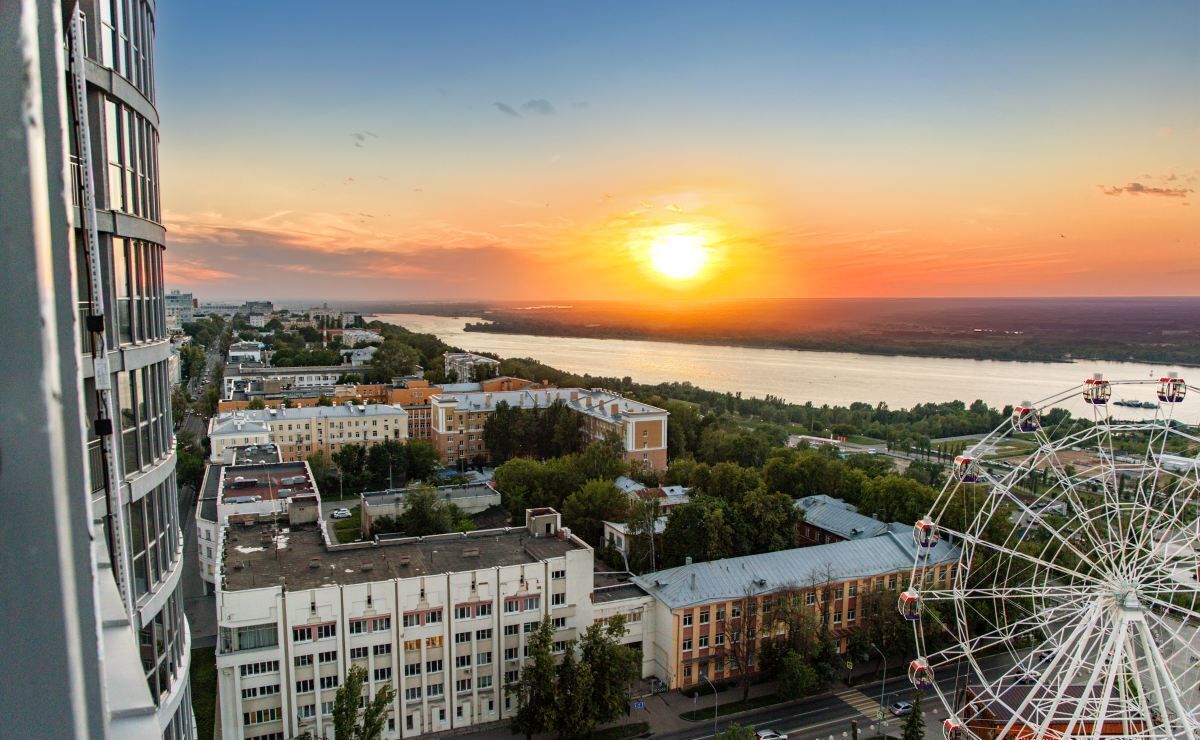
882	686
716	702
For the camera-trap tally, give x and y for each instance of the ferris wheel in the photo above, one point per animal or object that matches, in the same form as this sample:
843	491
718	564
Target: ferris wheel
1064	598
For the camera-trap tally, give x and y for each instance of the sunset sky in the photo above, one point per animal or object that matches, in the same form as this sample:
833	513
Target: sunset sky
539	150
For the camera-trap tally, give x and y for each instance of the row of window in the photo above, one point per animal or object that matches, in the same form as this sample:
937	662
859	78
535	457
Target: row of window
312	632
137	272
160	643
152	530
132	145
370	624
144	402
306	685
254	637
125	41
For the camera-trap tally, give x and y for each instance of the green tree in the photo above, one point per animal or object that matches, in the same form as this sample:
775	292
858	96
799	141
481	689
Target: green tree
796	677
324	400
734	731
520	484
700	529
420	459
386	465
392	360
426	512
574	716
535	689
914	724
586	510
321	466
613	666
347	724
351	462
256	405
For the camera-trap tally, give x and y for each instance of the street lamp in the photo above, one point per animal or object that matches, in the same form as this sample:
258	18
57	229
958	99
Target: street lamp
882	686
716	702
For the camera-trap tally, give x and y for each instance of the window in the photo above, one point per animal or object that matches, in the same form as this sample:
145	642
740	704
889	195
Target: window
434	617
329	656
558	599
531	604
462	661
326	631
891	583
331	682
735	611
687	671
301	634
720	639
837	616
687	619
326	708
412	669
850	615
483	634
358	626
412	620
432	642
434	689
304	686
559	623
461	637
260	716
512	629
703	641
381	674
720	613
704	617
512	605
462	612
301	661
384	649
512	676
462	685
412	694
530	627
483	610
484	659
458	709
510	653
853	589
485	682
558	574
687	645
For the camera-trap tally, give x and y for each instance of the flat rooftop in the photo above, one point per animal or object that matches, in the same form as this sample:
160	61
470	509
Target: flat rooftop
255	454
297	558
268	480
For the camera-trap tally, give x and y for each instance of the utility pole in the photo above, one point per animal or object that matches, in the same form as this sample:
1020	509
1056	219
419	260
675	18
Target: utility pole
853	729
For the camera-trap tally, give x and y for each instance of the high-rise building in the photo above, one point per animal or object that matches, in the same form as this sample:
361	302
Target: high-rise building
94	611
181	308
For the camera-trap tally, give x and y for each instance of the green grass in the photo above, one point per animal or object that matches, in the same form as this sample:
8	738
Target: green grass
204	690
858	439
622	731
755	702
349	530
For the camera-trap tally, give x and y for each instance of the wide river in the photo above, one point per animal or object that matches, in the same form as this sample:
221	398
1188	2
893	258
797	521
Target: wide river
835	378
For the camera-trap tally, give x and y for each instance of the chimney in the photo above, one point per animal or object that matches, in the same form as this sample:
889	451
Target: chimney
687	560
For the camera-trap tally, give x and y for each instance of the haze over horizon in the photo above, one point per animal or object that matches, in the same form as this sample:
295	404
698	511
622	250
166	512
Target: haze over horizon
681	151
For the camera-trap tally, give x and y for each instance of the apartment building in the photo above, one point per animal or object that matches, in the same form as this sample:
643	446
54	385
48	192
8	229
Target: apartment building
351	337
95	642
180	308
458	420
247	352
701	609
299	432
828	519
445	619
238	378
466	367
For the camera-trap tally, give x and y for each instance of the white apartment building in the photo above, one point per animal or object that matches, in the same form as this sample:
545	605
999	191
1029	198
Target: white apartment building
299	432
461	365
238	378
180	308
445	619
351	337
240	352
258	320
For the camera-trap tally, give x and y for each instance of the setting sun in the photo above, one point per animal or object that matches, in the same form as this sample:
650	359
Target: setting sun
678	256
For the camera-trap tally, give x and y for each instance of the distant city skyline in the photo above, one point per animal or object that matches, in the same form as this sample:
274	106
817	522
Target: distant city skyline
535	151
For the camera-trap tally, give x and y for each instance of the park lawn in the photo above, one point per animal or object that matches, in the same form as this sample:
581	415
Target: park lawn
620	732
697	715
204	690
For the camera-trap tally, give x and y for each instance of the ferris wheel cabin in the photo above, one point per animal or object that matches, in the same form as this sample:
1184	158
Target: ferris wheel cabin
925	533
909	605
920	674
1097	390
952	730
1025	418
1171	389
965	469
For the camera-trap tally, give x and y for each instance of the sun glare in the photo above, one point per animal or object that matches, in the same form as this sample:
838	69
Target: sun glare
678	256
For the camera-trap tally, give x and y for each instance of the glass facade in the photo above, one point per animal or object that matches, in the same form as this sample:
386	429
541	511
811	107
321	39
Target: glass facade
119	36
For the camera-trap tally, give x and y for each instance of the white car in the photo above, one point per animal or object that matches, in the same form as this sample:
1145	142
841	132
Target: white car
769	735
341	514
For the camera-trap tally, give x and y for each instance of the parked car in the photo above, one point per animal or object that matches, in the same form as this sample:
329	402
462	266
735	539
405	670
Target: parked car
901	708
770	735
341	514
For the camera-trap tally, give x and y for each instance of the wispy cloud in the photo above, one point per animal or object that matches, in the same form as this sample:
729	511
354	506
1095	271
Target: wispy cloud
1137	188
539	107
506	109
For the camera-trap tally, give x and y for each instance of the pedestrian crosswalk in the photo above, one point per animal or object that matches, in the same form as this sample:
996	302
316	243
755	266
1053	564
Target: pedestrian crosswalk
866	705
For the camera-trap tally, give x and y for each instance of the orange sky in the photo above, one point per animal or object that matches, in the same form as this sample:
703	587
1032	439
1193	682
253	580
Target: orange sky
944	151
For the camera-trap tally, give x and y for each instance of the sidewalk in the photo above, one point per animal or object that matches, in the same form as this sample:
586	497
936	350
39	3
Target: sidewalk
662	710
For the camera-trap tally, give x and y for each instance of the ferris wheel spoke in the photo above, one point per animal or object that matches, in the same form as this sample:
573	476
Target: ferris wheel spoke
1009	592
1113	555
1033	560
1172	606
1032	624
1171	705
